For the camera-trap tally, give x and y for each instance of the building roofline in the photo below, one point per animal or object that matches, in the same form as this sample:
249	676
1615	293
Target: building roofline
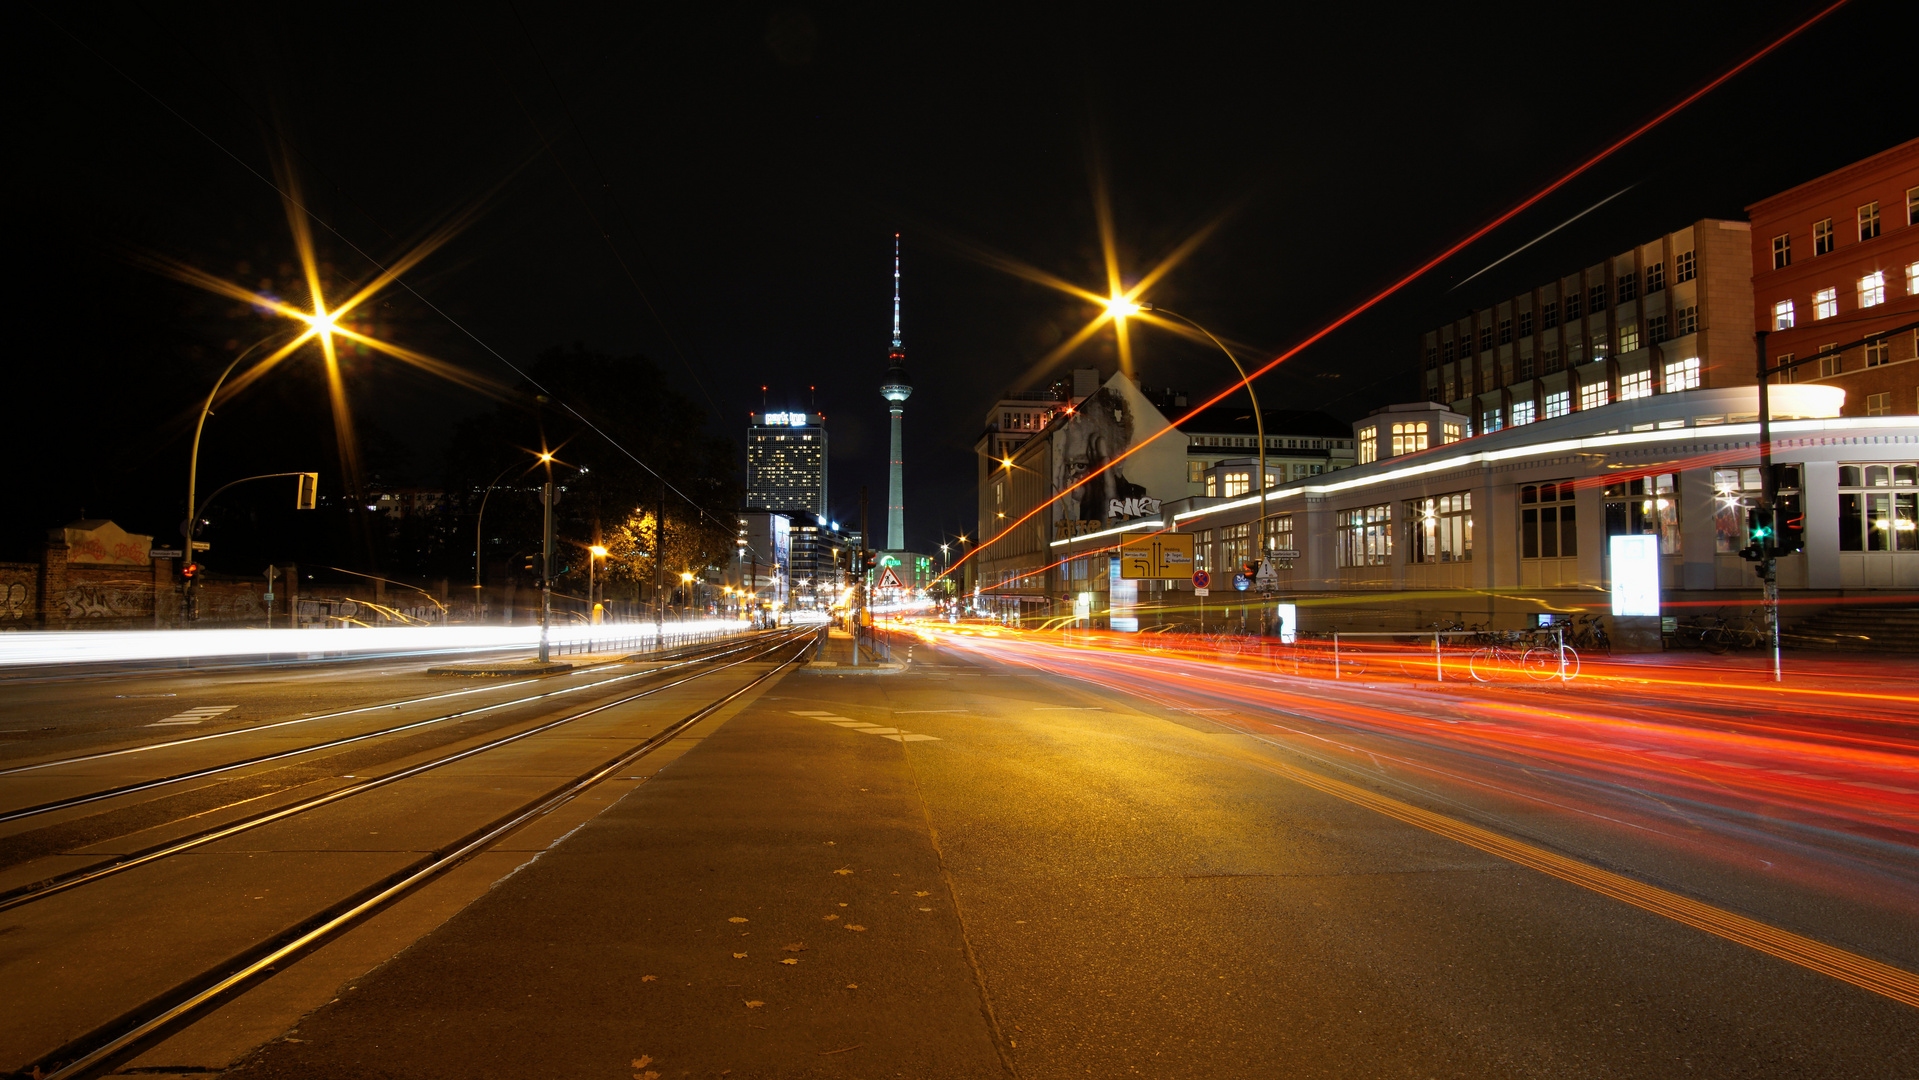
1909	148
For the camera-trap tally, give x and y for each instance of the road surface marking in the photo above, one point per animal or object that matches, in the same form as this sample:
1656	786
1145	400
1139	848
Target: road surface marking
877	730
911	712
810	712
193	716
1867	974
867	728
907	736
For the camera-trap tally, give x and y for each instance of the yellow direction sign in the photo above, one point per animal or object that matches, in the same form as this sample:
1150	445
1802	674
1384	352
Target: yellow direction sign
1163	555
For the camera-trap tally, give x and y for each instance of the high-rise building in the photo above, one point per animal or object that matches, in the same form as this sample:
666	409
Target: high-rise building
896	389
786	463
1671	314
1835	280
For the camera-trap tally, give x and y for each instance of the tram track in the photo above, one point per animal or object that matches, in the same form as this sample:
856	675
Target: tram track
691	657
116	1040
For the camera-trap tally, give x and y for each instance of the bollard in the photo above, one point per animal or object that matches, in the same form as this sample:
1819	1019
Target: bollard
1439	666
1335	654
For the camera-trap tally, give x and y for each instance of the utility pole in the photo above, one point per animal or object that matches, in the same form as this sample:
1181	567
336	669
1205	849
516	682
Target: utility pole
1768	568
659	565
859	581
546	572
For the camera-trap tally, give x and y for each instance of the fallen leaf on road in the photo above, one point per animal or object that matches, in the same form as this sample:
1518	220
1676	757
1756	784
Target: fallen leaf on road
926	909
736	918
922	893
739	956
797	946
829	918
647	1075
754	1004
642	1061
649	978
842	870
842	905
852	986
854	926
789	960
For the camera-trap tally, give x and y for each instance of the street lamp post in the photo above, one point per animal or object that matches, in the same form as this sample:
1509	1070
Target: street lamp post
592	597
1120	308
479	520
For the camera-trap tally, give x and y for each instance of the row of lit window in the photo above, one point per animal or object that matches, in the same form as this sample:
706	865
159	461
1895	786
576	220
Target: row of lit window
1679	375
1625	287
1871	292
1823	240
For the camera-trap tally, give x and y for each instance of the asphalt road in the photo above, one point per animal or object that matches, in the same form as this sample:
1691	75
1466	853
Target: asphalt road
984	867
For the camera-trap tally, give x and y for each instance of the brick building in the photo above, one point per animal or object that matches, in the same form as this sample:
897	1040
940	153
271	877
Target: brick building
1671	314
1836	261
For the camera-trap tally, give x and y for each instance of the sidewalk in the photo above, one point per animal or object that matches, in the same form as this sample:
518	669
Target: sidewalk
836	657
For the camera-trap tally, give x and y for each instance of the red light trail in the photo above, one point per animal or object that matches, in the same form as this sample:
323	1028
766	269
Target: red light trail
1411	277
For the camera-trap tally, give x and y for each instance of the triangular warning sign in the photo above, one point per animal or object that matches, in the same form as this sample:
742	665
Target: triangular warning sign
889	580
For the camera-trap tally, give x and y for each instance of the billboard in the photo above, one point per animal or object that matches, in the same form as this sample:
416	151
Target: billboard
1635	574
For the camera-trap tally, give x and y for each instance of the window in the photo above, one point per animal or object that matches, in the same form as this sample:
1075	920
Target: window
1449	391
1628	286
1655	329
1365	536
1878	352
1525	324
1548	528
1736	490
1599	345
1409	438
1912	206
1446	351
1195	472
1485	338
1782	251
1875	518
1212	485
1681	375
1524	369
1440	530
1558	403
1553	363
1505	331
1686	321
1825	303
1522	413
1869	221
1594	395
1234	484
1432	357
1685	268
1878	404
1368	444
1488	379
1489	421
1636	385
1655	278
1279	537
1645	507
1235	547
1549	314
1782	315
1822	237
1912	279
1573	310
1830	363
1449	432
1628	337
1596	299
1872	289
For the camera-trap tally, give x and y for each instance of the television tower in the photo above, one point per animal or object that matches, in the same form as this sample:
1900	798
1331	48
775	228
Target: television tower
896	389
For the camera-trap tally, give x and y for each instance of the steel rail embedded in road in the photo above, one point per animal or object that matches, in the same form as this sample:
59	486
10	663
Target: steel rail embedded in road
27	894
163	1016
698	656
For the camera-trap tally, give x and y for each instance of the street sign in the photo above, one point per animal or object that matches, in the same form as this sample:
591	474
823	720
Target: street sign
1202	579
165	553
199	545
888	579
1268	577
1202	592
1241	582
1162	555
1284	553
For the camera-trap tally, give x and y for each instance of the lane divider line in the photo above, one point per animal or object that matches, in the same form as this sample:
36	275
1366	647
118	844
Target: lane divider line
1849	967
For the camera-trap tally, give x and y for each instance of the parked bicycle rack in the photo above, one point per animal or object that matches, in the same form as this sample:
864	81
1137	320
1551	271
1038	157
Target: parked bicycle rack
1439	662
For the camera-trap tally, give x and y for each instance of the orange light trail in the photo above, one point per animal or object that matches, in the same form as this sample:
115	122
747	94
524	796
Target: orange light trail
1355	312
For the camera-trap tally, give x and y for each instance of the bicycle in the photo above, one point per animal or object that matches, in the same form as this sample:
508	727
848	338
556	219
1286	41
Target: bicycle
1499	656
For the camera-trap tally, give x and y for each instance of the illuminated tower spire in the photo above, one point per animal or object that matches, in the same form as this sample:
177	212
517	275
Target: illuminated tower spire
896	389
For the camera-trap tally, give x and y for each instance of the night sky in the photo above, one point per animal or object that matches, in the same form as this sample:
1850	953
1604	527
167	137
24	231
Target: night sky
717	187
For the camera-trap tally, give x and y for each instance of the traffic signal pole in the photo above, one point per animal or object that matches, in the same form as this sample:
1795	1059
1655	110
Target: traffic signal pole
1768	567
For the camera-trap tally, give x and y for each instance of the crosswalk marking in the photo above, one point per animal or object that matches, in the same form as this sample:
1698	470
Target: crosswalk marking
193	716
864	726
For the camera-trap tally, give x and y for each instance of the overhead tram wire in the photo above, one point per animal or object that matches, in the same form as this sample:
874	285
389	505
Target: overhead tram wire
377	264
605	185
1409	278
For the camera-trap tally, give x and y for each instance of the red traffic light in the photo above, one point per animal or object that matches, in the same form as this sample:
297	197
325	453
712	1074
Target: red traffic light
189	570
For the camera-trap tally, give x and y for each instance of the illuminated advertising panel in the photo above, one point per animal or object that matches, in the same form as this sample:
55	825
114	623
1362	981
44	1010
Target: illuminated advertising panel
1635	575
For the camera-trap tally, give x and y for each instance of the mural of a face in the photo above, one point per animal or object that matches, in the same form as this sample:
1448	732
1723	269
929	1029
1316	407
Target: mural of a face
1101	430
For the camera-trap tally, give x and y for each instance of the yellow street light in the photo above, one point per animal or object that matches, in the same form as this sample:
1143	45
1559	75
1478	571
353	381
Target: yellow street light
686	577
1119	307
598	551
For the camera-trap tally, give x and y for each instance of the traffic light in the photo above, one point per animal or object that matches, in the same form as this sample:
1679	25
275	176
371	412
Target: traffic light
869	559
1791	521
1250	569
309	493
189	570
530	565
1760	535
